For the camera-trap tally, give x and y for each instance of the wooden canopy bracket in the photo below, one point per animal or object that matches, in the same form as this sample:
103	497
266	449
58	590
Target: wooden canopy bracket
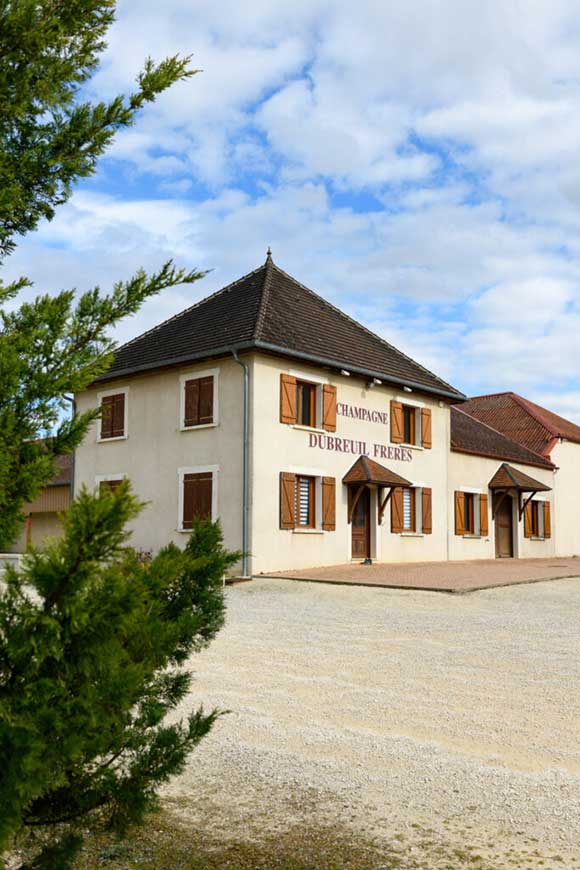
384	503
359	492
526	503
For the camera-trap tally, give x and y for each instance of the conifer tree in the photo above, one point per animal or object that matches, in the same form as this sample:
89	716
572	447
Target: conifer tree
92	641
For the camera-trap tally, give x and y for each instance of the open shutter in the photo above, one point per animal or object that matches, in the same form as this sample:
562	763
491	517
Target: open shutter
459	513
483	516
329	408
109	485
528	520
426	440
328	504
287	399
287	500
191	416
206	400
427	511
397	511
547	520
397	426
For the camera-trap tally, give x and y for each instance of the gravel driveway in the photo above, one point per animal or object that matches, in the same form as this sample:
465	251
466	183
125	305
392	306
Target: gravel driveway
422	718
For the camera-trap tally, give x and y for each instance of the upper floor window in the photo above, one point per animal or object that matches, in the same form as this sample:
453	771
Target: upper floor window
410	424
307	403
113	420
198	406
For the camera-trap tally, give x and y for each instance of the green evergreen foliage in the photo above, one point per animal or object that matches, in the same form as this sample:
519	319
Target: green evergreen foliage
50	138
93	652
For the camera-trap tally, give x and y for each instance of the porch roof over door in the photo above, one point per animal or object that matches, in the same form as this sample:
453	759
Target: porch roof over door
508	477
366	470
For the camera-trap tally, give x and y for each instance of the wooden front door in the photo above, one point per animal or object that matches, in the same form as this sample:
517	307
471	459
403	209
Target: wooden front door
361	526
504	526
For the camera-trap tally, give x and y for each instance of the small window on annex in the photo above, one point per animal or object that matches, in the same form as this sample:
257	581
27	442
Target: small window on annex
469	513
304	502
305	403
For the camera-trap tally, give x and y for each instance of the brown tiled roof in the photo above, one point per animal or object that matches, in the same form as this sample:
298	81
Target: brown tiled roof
271	311
523	421
469	435
507	477
366	470
64	471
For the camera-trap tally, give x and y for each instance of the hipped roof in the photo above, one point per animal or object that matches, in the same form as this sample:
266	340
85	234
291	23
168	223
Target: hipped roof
508	477
366	470
269	310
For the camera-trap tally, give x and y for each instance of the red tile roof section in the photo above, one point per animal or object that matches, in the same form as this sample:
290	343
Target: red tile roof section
523	421
469	435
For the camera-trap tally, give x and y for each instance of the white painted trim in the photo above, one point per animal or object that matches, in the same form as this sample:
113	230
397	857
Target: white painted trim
412	403
100	397
471	489
307	376
195	375
308	472
308	428
197	469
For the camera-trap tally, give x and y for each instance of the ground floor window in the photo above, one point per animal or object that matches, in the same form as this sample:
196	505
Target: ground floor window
409	510
307	501
471	514
197	496
537	519
304	498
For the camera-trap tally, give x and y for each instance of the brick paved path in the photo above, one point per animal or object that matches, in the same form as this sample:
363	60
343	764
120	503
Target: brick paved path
441	576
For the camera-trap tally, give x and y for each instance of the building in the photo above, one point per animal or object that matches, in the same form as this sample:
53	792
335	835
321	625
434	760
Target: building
552	437
312	439
43	515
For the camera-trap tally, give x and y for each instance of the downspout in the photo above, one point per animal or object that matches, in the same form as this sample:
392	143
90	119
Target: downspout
73	403
245	466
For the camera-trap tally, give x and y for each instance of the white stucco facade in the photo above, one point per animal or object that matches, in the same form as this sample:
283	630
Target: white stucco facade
566	457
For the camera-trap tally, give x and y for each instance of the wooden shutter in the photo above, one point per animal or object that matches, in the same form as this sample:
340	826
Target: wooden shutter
191	415
426	428
397	511
287	399
547	520
483	516
113	416
528	520
197	498
328	504
109	485
329	408
459	513
427	511
206	400
287	500
106	417
397	426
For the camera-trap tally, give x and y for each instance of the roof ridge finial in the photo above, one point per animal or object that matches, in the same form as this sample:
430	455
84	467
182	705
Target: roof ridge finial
269	255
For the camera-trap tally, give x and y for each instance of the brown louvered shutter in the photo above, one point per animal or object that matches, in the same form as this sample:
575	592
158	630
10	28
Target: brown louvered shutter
107	417
287	500
426	438
109	485
547	520
287	399
427	511
397	511
191	415
328	504
197	497
206	400
118	415
459	513
483	516
528	520
397	426
329	408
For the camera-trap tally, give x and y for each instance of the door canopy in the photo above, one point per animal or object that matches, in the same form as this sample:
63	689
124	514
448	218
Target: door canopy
508	479
366	470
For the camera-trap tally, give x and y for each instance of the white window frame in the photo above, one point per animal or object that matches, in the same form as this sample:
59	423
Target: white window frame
317	474
197	469
318	381
100	397
99	478
196	375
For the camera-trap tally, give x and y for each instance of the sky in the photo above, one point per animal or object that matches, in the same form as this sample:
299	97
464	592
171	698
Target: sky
415	162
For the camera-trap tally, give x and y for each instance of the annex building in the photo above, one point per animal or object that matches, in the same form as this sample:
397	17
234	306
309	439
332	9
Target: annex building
316	442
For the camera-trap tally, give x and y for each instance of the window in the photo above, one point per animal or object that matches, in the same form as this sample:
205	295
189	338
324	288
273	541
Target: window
409	424
409	510
198	401
305	404
197	497
113	416
110	485
469	513
304	502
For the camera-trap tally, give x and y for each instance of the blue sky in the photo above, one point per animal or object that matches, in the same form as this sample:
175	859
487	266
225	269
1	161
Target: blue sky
417	162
